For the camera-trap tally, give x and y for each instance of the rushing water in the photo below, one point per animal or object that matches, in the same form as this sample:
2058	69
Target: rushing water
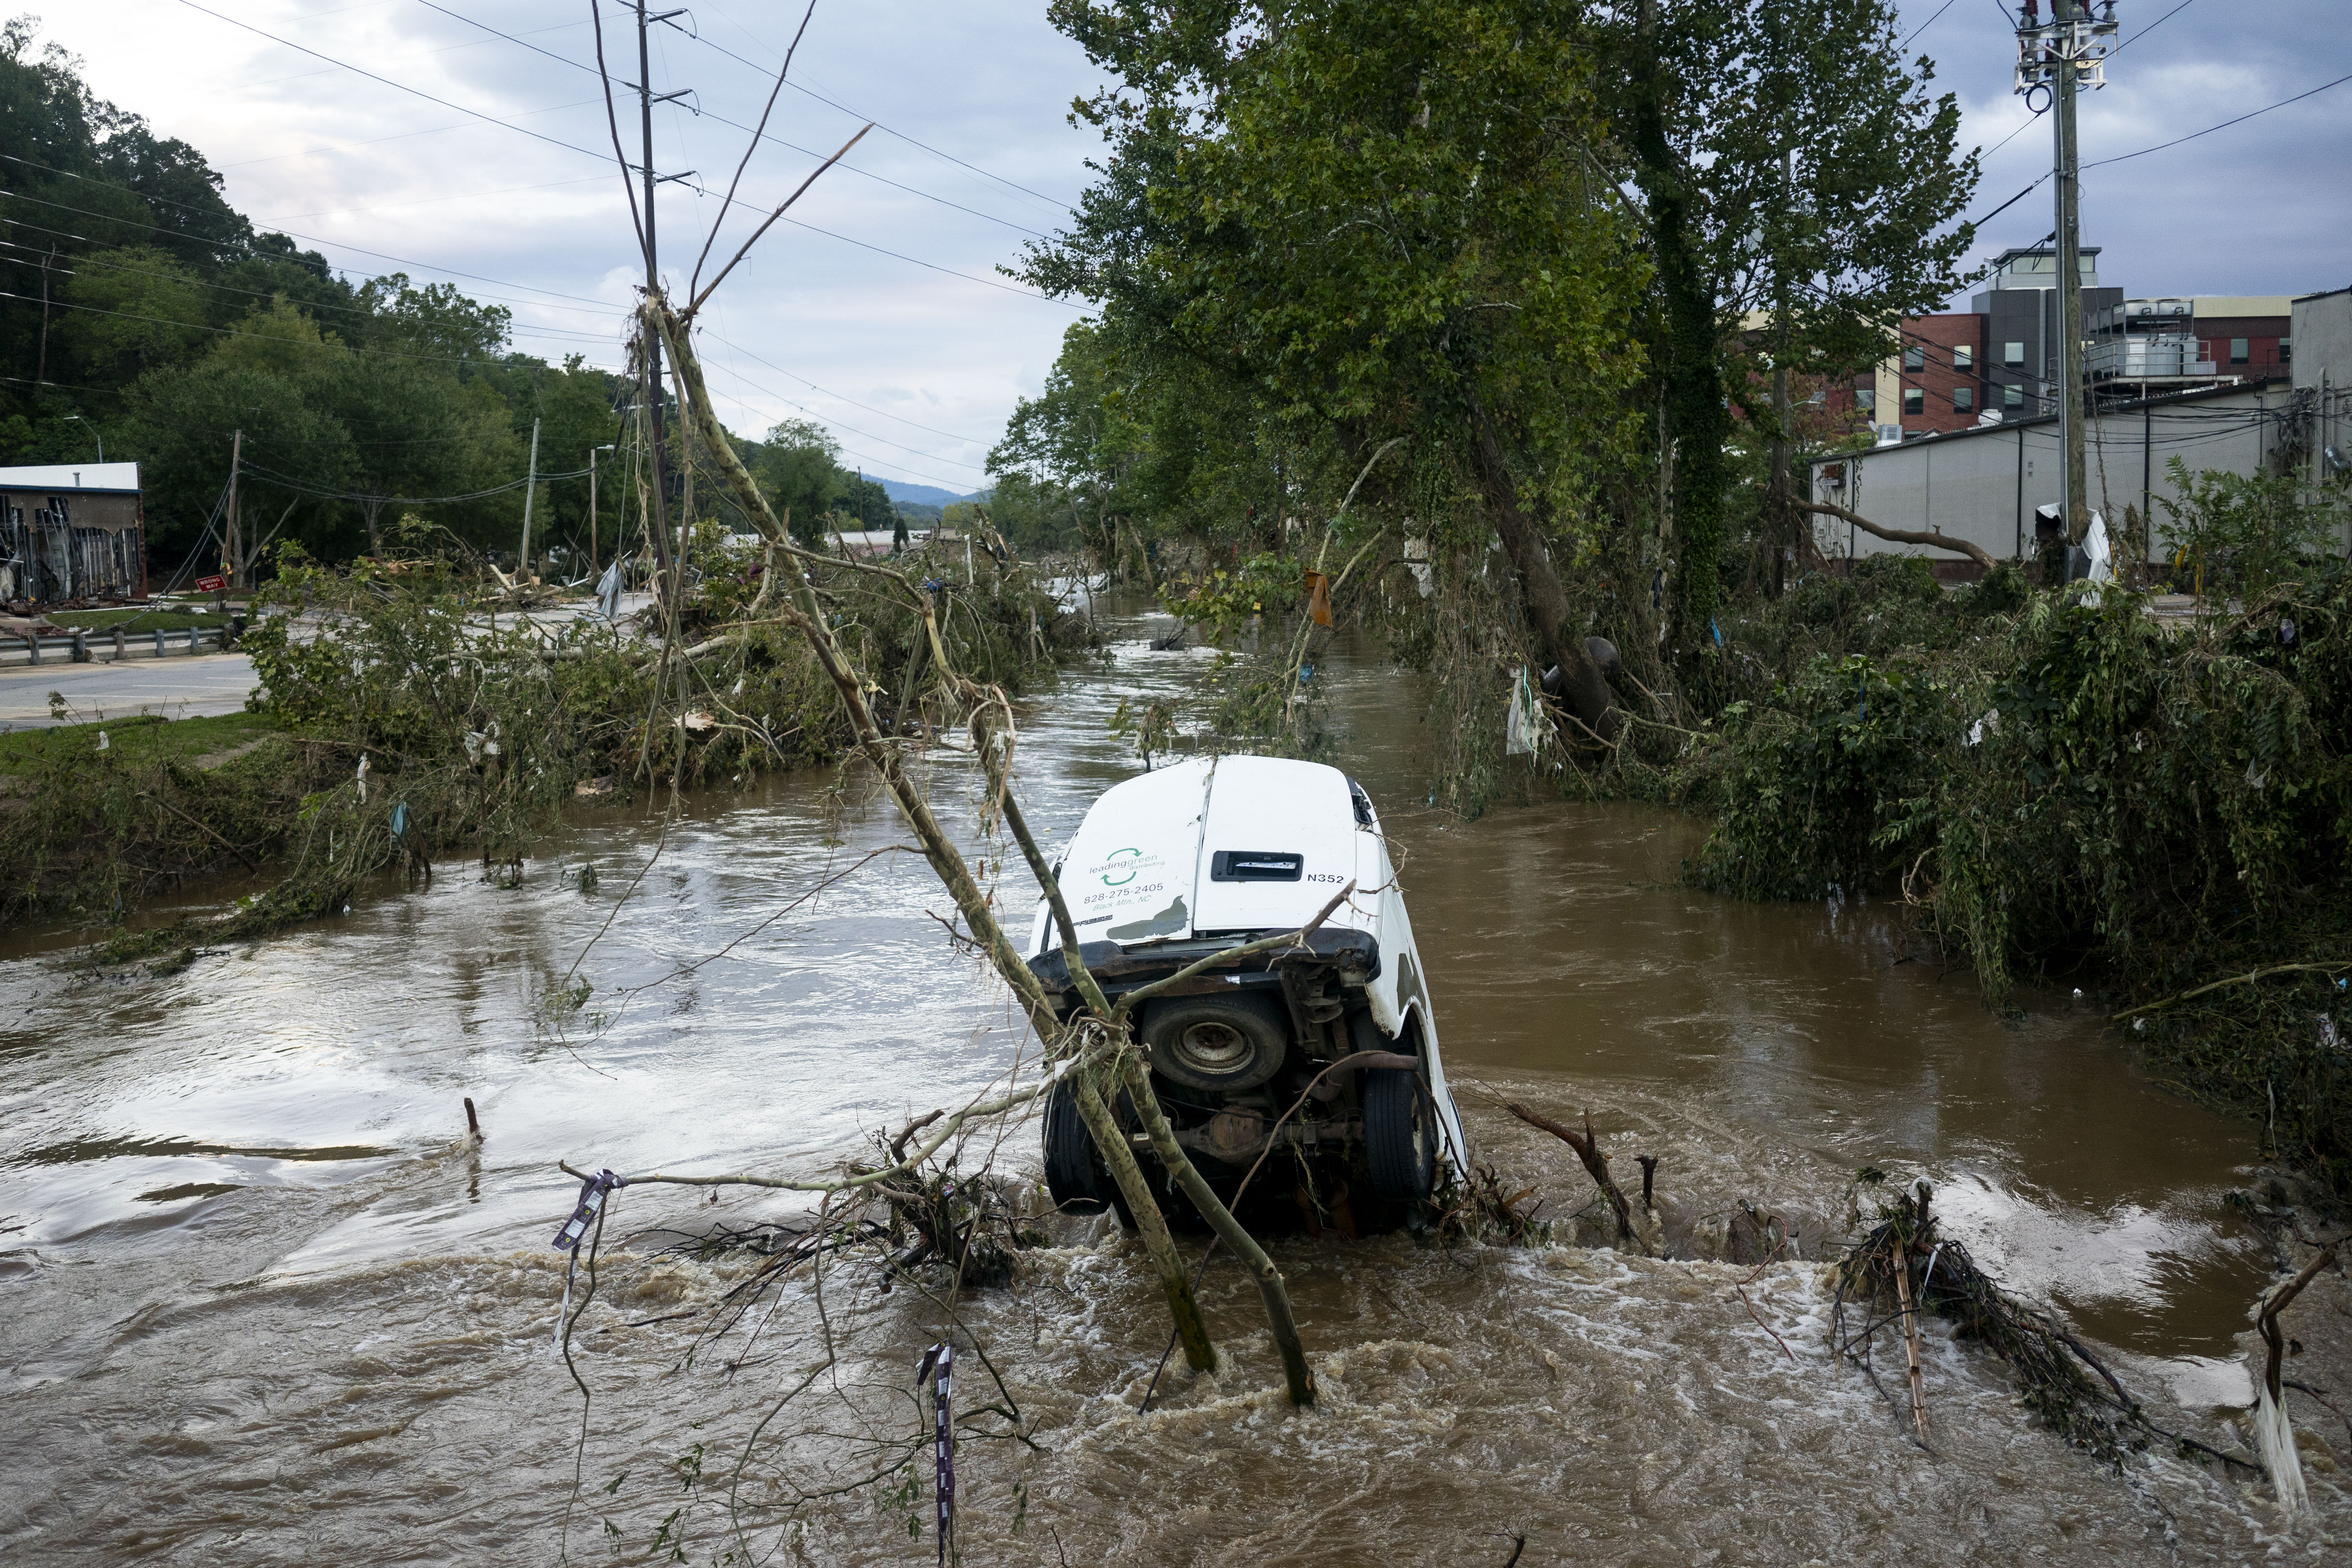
264	1302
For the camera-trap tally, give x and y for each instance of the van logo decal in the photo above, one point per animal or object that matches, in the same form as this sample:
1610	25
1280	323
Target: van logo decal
1131	868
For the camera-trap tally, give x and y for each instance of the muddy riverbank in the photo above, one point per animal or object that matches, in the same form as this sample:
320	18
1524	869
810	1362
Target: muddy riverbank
267	1304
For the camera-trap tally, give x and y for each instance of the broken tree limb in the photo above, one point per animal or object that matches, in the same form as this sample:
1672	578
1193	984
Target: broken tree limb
1128	1000
2273	1429
2246	979
1911	1348
1596	1163
1150	1226
1899	535
1296	1373
803	610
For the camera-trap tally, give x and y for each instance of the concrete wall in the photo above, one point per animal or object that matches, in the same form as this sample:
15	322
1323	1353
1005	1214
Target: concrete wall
1982	485
2323	339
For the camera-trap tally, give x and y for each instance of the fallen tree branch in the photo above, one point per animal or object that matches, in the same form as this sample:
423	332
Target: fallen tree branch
1588	1149
1900	535
2247	978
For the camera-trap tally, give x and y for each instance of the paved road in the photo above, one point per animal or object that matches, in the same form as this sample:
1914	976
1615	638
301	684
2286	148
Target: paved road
177	688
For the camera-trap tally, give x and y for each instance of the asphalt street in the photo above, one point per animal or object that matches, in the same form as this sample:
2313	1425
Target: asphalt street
181	687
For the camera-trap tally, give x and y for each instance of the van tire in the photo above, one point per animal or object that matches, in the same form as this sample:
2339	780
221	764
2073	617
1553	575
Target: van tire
1399	1138
1221	1044
1074	1176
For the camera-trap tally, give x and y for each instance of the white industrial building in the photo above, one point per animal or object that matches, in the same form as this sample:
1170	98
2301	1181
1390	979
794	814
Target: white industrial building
1983	485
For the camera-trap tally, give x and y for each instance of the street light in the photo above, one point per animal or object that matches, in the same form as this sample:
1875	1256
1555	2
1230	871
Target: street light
94	432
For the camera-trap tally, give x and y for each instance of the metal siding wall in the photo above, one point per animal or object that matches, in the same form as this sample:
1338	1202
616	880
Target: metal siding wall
1967	486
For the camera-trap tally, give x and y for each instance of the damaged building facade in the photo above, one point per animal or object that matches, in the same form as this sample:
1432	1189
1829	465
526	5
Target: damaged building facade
72	531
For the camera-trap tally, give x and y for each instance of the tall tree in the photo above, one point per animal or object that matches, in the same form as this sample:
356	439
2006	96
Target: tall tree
1792	164
1389	218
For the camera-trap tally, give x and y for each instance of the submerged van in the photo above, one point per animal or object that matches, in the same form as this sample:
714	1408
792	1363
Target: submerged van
1208	855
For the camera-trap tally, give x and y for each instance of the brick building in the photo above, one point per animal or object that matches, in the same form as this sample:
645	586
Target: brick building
1999	360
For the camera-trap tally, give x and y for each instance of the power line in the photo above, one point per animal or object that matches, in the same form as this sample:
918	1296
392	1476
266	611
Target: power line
379	140
296	485
762	135
861	456
574	147
402	87
231	331
2151	27
2209	130
68	265
931	456
248	245
828	392
1923	26
855	114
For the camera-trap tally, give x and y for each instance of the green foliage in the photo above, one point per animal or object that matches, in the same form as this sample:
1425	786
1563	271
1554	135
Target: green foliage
799	470
1825	778
169	324
2239	533
2074	787
1263	589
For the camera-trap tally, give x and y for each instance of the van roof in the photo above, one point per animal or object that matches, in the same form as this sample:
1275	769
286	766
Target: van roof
1210	845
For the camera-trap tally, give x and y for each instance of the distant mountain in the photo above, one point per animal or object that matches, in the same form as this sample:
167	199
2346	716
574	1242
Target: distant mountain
925	495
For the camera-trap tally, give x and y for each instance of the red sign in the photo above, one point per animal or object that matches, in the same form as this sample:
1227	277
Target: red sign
211	584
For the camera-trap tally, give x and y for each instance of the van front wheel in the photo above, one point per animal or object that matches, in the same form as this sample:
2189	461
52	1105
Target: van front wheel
1399	1143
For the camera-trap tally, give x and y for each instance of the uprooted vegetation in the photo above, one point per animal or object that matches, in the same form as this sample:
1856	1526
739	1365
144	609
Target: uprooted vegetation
400	721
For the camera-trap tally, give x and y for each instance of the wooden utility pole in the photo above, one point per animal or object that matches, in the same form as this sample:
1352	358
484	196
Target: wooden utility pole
530	492
2069	53
229	543
591	505
2070	283
646	98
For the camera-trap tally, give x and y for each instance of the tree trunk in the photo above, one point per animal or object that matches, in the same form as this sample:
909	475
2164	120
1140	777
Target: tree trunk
1899	535
939	850
1697	417
1588	693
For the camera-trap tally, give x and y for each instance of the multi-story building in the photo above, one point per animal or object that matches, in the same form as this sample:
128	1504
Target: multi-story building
1999	360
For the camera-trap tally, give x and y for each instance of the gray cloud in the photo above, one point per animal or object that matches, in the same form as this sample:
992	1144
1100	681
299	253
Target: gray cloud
2258	208
936	359
362	167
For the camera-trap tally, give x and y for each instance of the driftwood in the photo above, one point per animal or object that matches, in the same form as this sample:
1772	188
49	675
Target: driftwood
1911	1352
1899	535
2273	1431
1588	1149
2267	1321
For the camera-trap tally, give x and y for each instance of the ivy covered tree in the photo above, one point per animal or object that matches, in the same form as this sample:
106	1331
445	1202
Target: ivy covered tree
1526	238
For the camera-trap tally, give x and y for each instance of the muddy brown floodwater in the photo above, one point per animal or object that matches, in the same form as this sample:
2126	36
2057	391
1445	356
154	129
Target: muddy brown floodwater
261	1301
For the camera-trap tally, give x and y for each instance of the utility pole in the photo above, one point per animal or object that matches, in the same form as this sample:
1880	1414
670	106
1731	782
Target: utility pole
2059	58
228	532
591	503
646	98
530	493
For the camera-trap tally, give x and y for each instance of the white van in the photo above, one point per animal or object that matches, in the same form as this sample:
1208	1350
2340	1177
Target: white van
1206	855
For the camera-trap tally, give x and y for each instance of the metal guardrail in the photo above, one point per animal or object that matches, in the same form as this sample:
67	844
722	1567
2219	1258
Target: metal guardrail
106	647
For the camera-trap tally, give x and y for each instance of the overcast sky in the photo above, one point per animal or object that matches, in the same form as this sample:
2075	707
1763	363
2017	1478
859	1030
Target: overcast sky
916	359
